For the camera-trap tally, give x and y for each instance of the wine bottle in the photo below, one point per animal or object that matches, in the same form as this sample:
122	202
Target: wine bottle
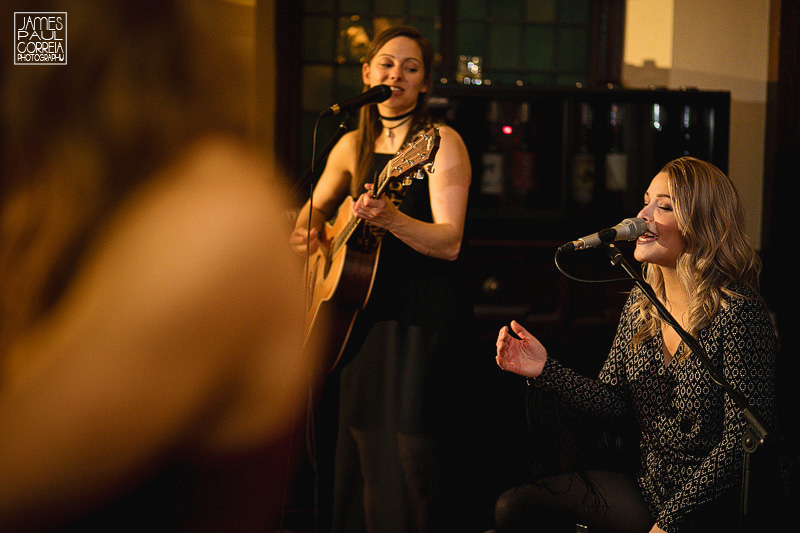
582	181
492	182
616	158
523	158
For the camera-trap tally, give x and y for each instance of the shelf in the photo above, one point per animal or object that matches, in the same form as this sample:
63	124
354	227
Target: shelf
553	157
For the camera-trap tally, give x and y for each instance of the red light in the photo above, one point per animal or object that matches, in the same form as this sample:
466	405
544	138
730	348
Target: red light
508	130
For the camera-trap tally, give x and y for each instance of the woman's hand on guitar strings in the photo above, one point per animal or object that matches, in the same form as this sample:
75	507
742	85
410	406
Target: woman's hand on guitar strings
377	211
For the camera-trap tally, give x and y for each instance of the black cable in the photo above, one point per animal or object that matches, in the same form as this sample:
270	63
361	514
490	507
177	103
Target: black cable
559	251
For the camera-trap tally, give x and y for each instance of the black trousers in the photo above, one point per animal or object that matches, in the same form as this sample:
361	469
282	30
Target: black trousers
604	501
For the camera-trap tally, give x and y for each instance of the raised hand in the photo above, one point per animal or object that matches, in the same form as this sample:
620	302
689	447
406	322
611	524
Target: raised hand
520	352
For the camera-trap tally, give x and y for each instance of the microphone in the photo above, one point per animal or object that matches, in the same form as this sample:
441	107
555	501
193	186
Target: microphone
629	229
379	93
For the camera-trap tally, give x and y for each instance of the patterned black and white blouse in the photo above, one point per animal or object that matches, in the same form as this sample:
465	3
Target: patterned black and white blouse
691	451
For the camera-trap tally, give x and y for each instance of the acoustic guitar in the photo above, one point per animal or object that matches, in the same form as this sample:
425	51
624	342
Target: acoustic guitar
340	273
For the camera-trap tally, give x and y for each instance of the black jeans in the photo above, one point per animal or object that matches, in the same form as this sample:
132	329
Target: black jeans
602	500
605	502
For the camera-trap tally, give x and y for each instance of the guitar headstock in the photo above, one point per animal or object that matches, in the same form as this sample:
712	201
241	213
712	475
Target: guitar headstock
418	152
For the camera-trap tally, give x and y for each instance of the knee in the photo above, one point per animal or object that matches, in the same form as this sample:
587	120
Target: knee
507	511
368	454
529	509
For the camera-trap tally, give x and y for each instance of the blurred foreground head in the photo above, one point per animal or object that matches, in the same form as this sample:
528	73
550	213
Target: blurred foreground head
149	335
143	79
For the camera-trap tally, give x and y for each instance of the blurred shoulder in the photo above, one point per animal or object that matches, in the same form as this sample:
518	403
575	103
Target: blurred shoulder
225	165
217	181
214	204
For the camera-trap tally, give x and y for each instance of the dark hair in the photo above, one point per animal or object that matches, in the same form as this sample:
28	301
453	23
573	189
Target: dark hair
369	126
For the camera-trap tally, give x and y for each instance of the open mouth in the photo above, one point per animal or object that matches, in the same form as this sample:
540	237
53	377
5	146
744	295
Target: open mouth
647	236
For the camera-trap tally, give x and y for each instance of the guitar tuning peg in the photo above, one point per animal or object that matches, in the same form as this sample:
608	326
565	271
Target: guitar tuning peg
419	174
406	181
430	168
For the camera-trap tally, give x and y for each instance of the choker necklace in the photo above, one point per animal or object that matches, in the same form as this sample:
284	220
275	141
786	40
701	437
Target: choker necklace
389	132
398	117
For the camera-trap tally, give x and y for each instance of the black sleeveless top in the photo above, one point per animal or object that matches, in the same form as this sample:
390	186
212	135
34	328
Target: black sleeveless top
405	333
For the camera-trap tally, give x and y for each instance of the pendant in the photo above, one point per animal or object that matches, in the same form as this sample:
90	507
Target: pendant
390	133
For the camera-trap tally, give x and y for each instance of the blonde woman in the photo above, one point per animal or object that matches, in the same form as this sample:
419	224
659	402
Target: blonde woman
698	259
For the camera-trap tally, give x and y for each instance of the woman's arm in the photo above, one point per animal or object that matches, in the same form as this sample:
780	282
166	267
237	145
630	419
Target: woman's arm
608	395
329	192
449	189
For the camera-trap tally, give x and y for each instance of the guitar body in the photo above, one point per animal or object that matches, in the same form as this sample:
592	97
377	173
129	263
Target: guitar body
339	285
340	274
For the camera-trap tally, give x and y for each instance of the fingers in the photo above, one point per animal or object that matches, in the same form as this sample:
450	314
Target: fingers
513	333
374	210
501	336
504	358
501	362
519	330
365	201
503	344
302	241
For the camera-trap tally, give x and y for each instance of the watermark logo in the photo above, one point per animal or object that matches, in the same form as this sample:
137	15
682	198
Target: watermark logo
40	38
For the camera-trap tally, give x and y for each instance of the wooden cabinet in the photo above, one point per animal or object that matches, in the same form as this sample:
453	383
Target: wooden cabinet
549	163
552	165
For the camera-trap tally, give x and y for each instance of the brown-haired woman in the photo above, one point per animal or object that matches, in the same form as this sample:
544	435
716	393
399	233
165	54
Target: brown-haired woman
393	387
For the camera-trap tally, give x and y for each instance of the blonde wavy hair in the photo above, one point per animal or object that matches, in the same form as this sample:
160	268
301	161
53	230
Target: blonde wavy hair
717	251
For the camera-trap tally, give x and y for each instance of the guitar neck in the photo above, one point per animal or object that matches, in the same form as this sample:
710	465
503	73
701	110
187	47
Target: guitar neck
419	151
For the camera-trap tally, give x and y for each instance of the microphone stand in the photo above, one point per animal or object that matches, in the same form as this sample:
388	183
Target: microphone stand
306	178
757	433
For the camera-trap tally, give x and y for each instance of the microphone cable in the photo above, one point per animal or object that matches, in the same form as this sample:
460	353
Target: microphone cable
574	277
